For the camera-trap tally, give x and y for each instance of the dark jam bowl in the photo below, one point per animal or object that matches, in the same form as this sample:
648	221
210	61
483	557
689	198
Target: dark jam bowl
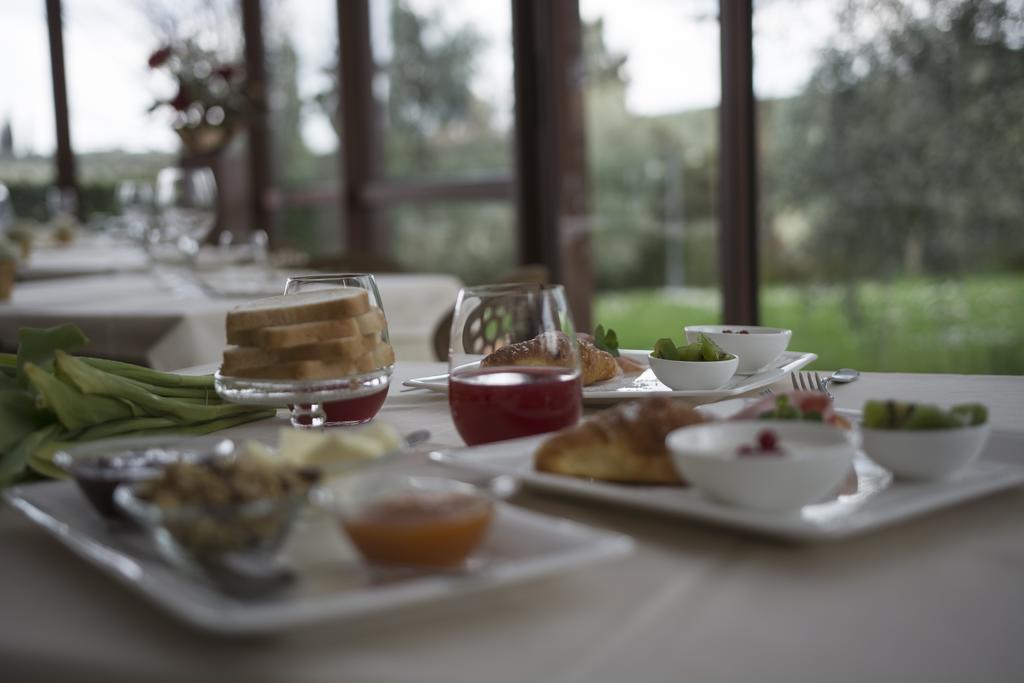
100	468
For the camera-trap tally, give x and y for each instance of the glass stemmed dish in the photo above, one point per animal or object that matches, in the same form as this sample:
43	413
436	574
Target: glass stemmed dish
352	396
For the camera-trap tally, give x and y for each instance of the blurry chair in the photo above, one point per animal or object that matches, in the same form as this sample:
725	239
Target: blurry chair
531	273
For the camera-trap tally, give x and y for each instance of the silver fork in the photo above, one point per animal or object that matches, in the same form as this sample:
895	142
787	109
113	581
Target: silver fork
806	381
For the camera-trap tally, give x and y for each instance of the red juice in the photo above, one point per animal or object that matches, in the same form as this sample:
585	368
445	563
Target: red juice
495	404
349	411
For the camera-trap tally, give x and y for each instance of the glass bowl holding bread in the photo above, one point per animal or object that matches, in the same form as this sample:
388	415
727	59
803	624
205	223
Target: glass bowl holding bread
322	348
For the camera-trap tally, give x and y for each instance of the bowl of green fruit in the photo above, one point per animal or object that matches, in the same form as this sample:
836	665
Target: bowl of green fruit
701	365
756	347
919	441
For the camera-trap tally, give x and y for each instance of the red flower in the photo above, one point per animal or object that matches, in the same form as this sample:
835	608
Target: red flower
182	99
159	57
227	71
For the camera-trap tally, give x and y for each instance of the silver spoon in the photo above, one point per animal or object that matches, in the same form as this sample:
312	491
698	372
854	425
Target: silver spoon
844	375
840	376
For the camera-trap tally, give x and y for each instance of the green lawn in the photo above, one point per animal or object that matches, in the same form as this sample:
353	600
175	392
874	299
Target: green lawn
973	325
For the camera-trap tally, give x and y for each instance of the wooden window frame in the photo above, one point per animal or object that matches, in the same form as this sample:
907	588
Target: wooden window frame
737	219
64	157
548	185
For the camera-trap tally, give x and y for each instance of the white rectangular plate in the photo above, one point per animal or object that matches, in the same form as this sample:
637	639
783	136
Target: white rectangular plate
878	502
333	583
629	387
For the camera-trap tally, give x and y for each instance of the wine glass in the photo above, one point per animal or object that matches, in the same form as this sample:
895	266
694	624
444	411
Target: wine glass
494	397
62	204
134	201
362	391
6	210
187	201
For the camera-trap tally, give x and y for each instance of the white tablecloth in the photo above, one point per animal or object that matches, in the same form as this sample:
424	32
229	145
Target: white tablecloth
84	257
133	317
934	599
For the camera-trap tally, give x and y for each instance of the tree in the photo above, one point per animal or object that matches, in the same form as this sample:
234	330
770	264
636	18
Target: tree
647	175
293	161
428	103
428	82
904	152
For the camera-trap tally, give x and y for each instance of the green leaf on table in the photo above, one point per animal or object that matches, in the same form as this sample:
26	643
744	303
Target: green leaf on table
43	466
8	366
20	415
199	393
91	381
38	346
8	371
13	461
154	426
74	409
133	425
606	341
149	376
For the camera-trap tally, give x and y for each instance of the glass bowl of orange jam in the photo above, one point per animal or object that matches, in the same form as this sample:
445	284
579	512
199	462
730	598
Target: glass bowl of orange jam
403	520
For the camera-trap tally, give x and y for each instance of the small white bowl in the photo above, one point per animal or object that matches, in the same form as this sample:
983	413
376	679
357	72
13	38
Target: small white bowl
755	350
924	453
687	375
817	458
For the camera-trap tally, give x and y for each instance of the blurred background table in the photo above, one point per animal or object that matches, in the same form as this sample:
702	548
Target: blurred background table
135	317
82	258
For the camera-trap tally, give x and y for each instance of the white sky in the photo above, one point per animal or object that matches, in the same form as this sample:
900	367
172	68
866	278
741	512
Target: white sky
672	47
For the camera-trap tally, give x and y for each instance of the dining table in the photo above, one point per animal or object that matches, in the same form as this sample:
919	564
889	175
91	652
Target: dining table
143	317
95	255
934	598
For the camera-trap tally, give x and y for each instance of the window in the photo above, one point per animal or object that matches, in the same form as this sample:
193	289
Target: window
652	147
432	164
302	61
887	141
444	87
890	174
474	240
110	89
27	138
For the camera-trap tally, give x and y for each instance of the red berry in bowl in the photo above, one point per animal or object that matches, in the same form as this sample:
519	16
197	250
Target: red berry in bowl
767	440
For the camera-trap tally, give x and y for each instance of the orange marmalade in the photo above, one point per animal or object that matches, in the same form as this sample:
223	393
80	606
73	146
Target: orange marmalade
421	528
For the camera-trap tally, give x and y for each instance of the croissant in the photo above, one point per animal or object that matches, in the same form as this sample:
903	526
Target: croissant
552	348
624	444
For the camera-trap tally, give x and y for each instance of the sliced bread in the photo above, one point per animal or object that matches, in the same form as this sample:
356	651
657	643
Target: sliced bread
383	355
371	322
284	336
304	307
299	370
380	356
330	351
